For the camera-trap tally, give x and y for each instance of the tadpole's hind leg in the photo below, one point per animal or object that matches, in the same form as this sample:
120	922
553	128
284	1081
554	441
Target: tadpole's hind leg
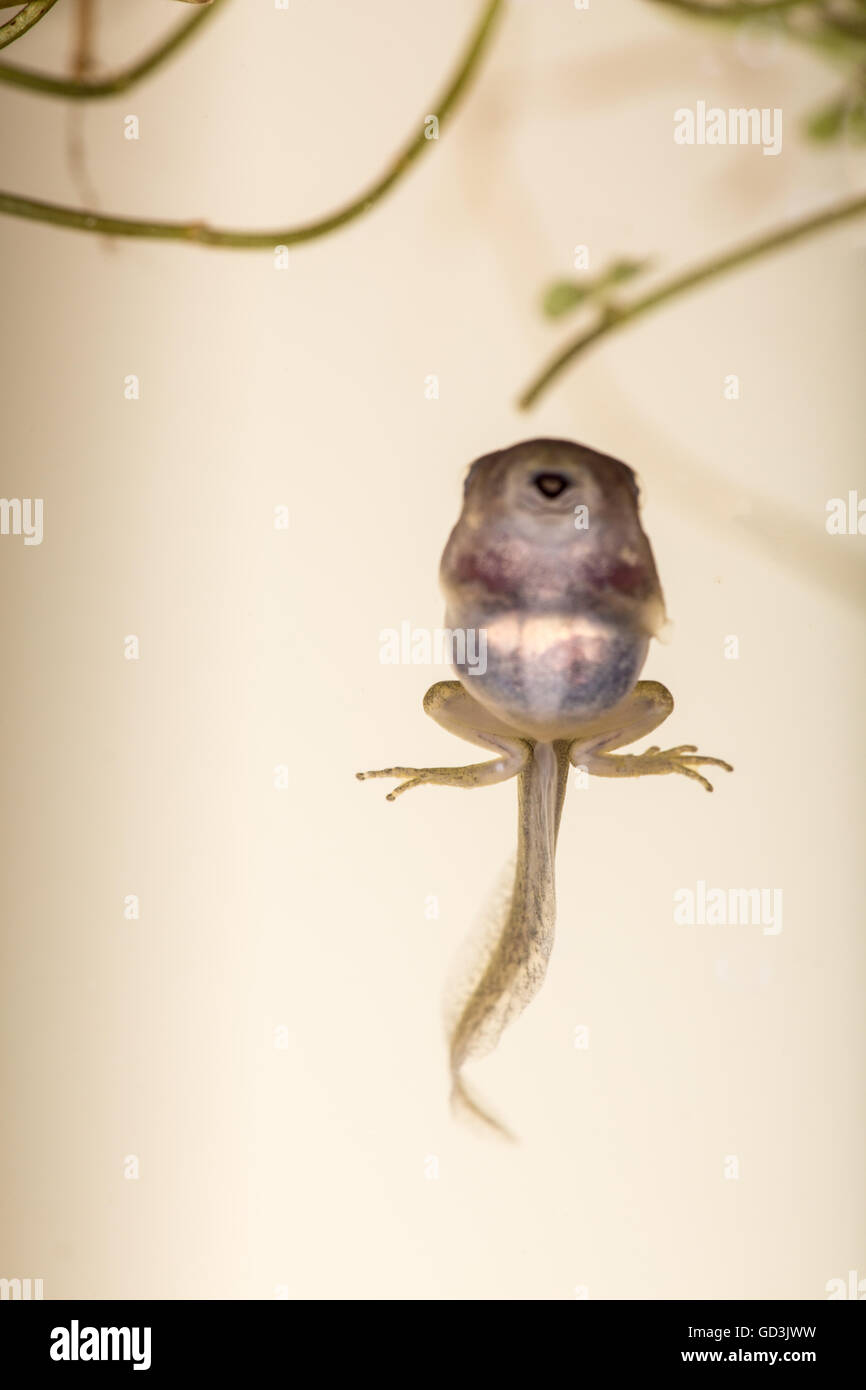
449	704
648	706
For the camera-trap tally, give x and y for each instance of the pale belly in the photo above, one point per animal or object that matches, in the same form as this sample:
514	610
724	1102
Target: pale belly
548	675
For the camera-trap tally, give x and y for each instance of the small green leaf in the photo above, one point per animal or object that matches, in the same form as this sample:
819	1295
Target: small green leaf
856	127
564	295
843	119
621	271
828	123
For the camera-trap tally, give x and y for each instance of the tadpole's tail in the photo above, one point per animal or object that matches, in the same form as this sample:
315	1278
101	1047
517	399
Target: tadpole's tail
514	965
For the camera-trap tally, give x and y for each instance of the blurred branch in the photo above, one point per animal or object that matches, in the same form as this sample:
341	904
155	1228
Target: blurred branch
82	63
737	9
819	24
84	38
834	30
24	20
121	81
203	235
614	317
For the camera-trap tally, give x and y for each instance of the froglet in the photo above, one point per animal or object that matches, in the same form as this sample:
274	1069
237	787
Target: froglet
549	562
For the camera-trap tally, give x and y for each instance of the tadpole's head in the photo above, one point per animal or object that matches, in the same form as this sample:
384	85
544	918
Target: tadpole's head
549	524
541	485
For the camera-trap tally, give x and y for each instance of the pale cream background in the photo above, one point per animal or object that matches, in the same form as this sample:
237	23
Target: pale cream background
306	1167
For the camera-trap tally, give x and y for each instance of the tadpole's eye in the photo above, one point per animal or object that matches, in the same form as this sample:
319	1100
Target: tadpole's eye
551	484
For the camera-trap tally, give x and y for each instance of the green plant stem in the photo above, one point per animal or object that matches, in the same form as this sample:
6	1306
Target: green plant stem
203	235
825	36
617	317
739	9
24	20
121	81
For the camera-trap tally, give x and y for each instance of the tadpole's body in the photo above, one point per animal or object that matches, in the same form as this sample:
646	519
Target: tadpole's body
550	562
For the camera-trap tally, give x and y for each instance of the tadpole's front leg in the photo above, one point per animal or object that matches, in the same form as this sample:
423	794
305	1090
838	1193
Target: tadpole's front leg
646	708
450	705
